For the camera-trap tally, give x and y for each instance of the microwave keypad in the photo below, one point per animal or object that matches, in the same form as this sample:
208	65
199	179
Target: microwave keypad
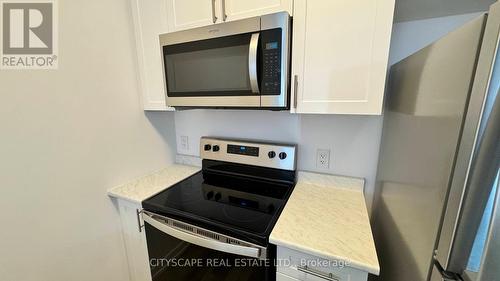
272	72
271	62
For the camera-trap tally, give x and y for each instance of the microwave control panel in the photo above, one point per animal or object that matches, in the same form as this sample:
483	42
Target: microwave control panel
271	61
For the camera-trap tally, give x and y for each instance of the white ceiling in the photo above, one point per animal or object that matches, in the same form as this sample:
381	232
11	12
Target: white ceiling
407	10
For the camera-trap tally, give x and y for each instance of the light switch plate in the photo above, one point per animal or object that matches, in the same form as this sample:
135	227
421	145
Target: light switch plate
185	143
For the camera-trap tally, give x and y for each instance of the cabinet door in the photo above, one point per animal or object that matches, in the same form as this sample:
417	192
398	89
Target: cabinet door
135	242
240	9
185	14
340	55
317	272
150	21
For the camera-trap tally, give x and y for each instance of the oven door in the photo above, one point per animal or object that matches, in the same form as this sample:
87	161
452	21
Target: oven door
182	252
217	72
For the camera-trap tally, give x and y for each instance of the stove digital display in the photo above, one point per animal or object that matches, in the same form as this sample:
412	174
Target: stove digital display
243	150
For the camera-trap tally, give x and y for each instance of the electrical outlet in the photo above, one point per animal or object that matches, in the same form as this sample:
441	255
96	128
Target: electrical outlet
323	158
185	143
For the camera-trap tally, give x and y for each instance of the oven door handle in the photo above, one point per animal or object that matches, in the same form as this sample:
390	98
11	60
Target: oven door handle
252	63
200	240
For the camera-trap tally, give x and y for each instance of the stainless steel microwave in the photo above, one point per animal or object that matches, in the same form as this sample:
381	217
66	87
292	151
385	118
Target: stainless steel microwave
240	64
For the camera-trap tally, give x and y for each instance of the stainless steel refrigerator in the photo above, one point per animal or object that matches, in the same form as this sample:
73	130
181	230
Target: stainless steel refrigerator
437	208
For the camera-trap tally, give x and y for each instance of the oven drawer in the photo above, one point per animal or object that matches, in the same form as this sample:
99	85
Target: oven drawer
301	266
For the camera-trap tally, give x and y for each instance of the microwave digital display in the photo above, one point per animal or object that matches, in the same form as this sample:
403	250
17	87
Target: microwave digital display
271	45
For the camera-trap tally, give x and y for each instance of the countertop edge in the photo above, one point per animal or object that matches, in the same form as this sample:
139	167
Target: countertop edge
114	192
113	195
320	254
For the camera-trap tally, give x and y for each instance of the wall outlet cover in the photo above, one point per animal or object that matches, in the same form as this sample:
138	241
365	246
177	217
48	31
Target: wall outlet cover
323	159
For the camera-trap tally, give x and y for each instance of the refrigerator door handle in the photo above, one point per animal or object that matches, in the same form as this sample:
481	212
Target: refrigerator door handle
474	171
480	185
481	180
446	275
489	268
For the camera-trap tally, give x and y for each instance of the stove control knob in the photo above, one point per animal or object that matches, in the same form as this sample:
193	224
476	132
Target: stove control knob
217	196
282	155
210	194
215	148
207	147
271	154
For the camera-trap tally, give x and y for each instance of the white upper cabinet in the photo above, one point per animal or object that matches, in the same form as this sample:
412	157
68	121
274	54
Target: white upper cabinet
240	9
340	48
150	20
185	14
340	55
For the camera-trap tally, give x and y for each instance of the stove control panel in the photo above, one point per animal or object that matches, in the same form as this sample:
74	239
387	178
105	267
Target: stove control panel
271	155
243	150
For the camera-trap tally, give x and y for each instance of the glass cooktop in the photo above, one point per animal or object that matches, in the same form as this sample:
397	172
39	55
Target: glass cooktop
229	203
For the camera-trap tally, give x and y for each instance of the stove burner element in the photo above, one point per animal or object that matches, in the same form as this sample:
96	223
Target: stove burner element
229	214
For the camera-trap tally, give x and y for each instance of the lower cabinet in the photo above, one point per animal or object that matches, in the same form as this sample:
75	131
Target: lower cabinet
135	241
294	265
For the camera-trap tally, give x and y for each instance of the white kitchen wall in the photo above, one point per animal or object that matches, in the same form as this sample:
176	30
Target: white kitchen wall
354	143
68	135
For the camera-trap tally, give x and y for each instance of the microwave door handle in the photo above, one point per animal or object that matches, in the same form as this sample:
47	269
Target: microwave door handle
200	240
252	63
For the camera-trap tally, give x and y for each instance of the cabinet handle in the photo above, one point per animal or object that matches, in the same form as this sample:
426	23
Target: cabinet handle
214	17
224	15
326	276
138	213
295	86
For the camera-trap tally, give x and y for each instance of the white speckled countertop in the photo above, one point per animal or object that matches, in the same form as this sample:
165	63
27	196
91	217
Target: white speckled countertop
326	216
142	188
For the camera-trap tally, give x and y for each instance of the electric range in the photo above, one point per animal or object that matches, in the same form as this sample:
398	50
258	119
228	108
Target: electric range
224	213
